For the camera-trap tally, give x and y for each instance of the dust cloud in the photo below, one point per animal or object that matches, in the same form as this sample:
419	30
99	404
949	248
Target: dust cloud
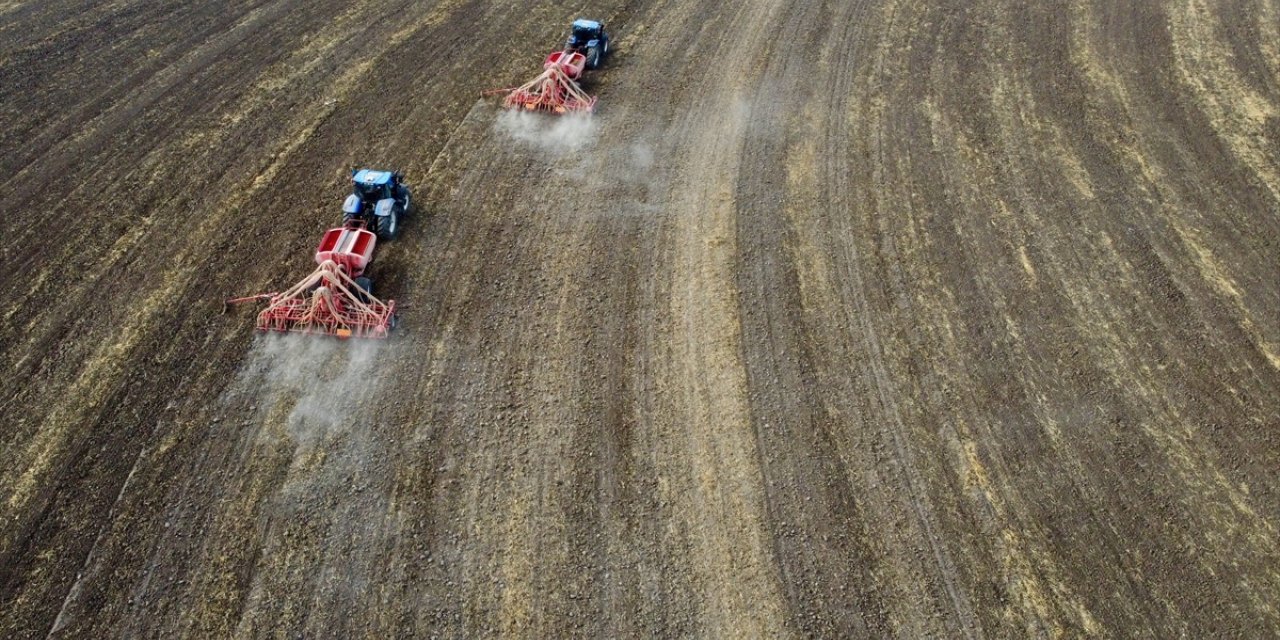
326	382
555	134
318	396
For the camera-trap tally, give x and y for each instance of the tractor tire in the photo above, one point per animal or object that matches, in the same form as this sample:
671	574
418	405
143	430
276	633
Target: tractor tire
593	57
366	289
389	225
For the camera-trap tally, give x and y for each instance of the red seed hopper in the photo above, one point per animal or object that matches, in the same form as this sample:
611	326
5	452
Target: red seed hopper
337	298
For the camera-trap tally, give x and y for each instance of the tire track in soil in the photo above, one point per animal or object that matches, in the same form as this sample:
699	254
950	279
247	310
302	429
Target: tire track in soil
900	480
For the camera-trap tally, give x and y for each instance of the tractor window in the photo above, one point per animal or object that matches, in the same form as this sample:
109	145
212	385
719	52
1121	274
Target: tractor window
372	191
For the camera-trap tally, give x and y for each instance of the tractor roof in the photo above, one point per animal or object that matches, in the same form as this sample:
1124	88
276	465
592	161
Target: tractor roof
586	24
370	177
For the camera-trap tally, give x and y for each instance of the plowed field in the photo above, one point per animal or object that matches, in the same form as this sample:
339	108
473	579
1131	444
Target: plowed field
863	318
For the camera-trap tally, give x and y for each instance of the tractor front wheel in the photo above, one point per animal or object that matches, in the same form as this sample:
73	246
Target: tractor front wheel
389	225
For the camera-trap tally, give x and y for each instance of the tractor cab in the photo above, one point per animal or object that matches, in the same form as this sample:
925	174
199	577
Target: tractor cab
372	186
589	38
584	31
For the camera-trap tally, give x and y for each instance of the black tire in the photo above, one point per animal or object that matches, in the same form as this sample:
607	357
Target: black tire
389	225
366	289
593	57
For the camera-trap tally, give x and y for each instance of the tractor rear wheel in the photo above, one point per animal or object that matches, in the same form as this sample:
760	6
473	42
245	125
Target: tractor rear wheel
366	289
593	57
389	225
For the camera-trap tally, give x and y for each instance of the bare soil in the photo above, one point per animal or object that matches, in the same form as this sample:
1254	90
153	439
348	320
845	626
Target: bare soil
947	319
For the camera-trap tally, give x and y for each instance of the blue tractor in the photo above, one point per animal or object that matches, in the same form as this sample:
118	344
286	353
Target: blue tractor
379	199
589	38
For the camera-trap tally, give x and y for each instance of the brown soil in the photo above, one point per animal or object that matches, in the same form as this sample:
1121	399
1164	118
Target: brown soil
844	319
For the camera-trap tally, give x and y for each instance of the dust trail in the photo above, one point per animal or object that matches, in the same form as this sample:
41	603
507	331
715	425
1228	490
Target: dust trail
640	156
320	396
556	134
319	393
322	383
